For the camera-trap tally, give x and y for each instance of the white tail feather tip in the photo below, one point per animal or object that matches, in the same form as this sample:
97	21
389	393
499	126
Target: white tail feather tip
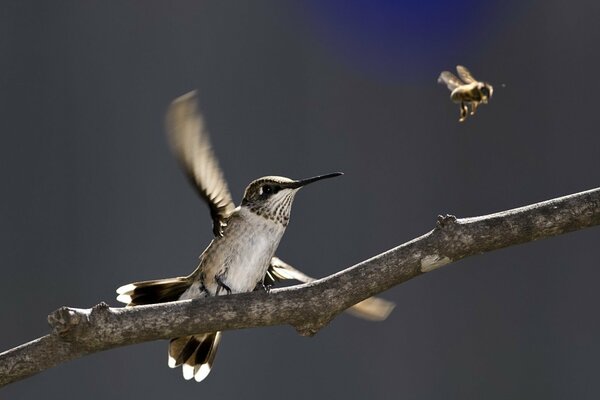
188	371
202	372
124	298
126	288
172	363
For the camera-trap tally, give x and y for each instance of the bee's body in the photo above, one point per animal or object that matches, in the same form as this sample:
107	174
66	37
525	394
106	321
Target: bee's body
468	92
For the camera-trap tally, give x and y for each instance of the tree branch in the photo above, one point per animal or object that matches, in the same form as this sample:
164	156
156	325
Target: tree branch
308	307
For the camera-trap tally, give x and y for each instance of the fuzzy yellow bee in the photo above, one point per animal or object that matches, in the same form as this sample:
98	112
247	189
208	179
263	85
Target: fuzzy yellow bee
466	91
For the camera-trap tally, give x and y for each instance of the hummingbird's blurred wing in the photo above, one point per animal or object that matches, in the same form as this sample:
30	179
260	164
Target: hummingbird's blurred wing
372	309
450	80
191	144
464	74
280	271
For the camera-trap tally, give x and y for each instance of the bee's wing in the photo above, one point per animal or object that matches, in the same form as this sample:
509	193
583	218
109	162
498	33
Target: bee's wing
372	309
464	74
450	80
190	143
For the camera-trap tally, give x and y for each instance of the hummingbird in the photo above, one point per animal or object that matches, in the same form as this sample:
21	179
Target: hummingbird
241	256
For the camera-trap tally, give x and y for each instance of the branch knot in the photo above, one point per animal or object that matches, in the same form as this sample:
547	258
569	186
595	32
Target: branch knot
100	308
444	221
64	321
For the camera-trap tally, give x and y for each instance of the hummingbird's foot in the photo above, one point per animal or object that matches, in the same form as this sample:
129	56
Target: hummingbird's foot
202	289
221	285
266	287
262	286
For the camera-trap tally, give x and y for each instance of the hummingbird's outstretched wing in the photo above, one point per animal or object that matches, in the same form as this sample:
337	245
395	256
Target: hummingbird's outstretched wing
372	309
450	80
465	74
191	144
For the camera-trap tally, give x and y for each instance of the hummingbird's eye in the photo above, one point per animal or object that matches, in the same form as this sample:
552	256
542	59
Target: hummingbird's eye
266	190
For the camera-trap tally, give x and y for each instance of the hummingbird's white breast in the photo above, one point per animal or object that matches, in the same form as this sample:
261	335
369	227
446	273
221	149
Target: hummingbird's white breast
241	257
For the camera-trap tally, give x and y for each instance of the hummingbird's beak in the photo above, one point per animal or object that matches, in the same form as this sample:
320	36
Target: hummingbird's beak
304	182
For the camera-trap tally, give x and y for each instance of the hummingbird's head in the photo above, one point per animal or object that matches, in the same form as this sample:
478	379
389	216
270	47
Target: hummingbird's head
272	196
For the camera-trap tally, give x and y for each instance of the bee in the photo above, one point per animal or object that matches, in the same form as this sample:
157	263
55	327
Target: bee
468	91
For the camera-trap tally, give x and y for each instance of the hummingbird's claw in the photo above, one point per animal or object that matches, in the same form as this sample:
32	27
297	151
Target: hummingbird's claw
266	287
221	285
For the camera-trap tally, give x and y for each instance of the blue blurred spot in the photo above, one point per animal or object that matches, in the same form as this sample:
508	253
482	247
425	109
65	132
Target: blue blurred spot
400	40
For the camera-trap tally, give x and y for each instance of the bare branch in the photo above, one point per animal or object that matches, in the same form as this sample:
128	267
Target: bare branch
308	307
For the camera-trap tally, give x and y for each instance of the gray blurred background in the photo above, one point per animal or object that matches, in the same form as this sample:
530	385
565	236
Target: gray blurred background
92	199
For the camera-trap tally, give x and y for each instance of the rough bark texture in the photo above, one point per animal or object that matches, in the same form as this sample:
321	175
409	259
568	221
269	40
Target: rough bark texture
308	307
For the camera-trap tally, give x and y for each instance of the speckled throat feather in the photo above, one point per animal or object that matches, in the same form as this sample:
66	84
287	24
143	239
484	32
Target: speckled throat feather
277	211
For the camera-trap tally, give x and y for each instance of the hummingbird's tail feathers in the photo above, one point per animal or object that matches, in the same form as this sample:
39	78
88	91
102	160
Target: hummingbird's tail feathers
151	292
196	353
372	309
